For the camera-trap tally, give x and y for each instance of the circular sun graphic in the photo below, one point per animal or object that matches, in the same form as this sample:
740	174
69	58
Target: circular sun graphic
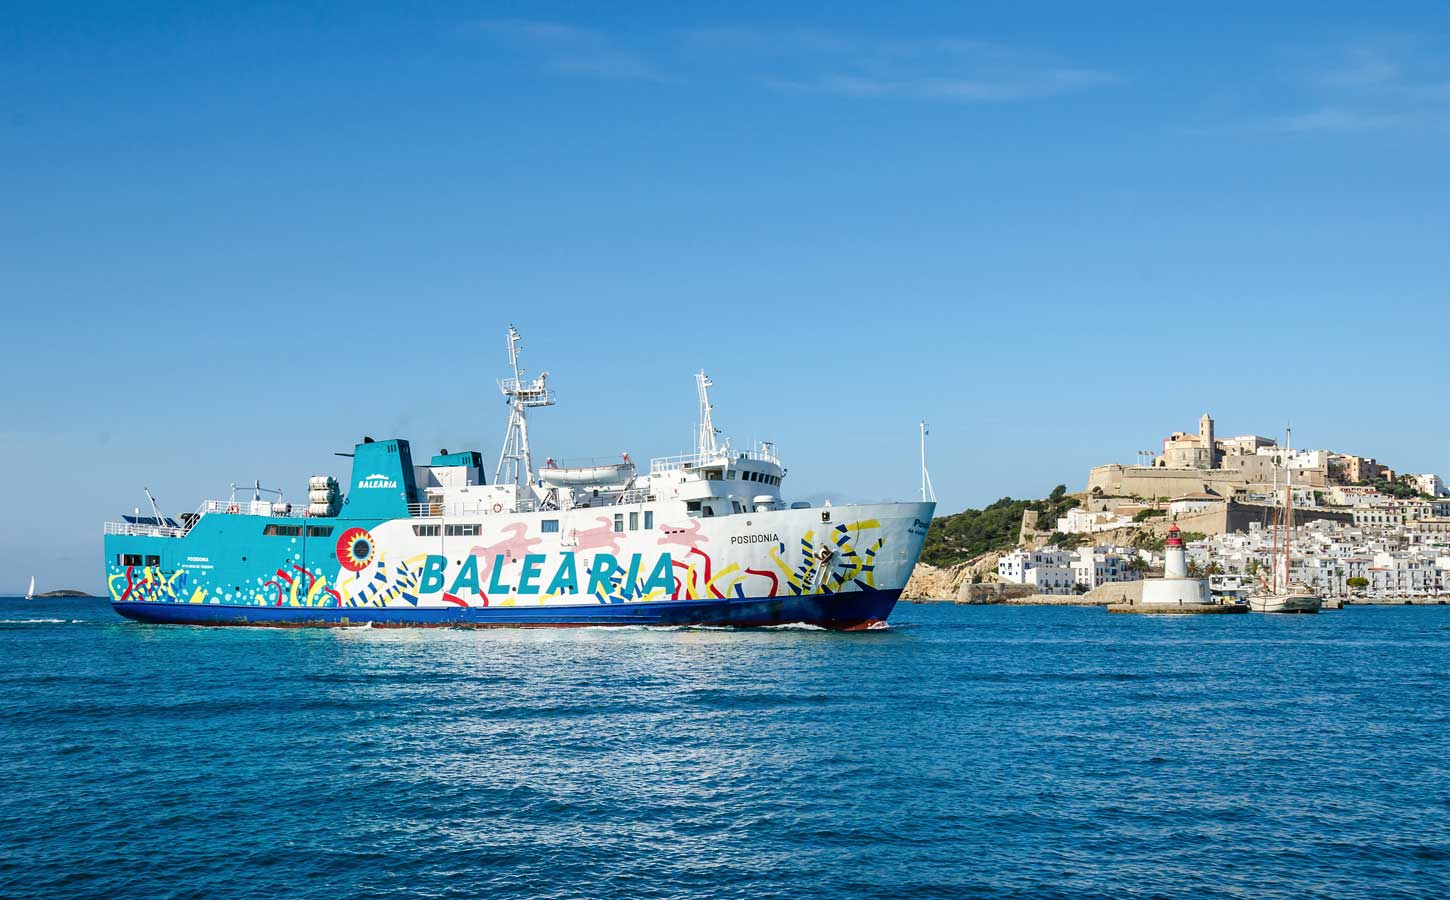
355	549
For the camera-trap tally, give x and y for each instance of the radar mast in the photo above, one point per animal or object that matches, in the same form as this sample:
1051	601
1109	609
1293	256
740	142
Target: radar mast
515	463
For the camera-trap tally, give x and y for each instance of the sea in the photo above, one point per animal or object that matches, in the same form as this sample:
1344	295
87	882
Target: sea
964	752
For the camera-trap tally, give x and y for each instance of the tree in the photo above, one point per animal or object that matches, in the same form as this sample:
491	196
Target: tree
1138	564
1357	583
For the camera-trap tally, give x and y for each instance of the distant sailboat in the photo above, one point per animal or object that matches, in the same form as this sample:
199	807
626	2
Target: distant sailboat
1284	596
30	591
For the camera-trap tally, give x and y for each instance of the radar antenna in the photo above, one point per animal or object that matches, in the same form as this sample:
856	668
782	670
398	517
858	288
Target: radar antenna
705	444
515	463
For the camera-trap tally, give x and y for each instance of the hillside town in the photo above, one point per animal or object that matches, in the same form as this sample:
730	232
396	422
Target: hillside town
1360	530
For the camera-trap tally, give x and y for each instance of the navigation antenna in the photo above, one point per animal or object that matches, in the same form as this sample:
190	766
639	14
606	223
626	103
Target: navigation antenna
928	493
515	464
160	520
705	446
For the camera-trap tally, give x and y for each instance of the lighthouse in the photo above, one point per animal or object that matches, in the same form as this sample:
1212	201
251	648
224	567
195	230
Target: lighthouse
1175	560
1175	589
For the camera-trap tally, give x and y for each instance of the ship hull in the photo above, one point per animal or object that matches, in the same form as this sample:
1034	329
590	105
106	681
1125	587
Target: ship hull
853	611
840	568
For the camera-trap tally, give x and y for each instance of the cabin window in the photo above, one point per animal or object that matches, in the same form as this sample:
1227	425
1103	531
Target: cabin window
618	522
634	521
735	504
426	530
549	526
130	559
708	511
153	560
462	530
730	474
649	519
319	531
825	516
692	505
282	530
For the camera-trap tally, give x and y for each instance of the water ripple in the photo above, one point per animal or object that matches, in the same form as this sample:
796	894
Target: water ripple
990	752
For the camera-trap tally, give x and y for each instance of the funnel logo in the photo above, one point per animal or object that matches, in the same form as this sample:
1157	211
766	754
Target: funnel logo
377	481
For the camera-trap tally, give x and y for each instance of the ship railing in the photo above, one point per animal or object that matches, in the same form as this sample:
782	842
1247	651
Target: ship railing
276	508
439	508
136	530
661	464
634	495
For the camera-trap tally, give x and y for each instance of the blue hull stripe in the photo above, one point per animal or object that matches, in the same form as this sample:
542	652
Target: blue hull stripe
844	611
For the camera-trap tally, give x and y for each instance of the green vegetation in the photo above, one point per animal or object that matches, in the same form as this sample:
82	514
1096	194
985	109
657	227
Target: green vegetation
1146	540
1144	515
1357	583
1402	489
972	532
1067	541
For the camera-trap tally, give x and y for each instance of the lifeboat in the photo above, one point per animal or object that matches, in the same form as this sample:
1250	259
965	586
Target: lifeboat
597	475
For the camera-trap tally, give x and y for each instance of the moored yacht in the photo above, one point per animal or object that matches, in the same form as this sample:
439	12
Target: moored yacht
1278	593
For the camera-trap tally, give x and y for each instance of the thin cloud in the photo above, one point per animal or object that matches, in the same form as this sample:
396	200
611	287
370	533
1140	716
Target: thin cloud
567	49
1330	121
1367	86
814	61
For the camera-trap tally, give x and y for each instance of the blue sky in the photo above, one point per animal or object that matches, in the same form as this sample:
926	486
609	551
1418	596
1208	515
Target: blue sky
235	238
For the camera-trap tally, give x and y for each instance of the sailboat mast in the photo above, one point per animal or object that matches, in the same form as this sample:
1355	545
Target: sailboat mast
1274	536
1288	498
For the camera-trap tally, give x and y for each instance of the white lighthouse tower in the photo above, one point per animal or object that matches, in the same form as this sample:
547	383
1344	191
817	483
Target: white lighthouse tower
1175	587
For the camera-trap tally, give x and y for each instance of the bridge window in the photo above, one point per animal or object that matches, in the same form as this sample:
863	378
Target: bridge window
550	526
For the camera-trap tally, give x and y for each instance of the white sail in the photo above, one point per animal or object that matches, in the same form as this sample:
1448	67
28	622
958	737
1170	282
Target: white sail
30	592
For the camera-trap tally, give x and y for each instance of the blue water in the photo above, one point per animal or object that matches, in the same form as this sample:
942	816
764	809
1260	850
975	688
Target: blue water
965	752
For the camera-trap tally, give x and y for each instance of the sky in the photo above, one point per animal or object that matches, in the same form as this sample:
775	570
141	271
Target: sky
235	238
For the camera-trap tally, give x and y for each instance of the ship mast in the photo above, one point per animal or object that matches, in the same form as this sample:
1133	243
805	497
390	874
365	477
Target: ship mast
515	463
1278	520
928	493
1288	497
705	445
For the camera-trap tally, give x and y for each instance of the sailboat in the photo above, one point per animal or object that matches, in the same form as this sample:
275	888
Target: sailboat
30	591
1278	594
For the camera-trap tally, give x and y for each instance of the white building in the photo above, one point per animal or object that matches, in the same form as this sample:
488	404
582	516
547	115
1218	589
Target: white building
1049	570
1080	521
1095	566
1430	483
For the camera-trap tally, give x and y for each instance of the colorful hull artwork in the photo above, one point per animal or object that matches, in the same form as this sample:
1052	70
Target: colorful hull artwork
517	569
703	538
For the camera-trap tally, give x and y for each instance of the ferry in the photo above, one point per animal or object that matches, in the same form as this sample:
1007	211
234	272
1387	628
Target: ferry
699	539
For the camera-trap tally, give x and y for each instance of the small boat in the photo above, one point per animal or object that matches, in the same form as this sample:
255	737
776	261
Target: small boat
1279	594
1295	597
594	475
30	591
